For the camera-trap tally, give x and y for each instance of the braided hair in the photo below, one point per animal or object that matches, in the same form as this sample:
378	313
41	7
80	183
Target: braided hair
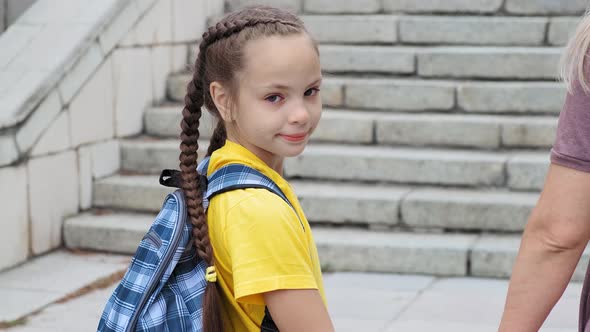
220	57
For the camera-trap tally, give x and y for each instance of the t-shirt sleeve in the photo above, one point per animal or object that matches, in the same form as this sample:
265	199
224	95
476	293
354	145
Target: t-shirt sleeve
268	248
572	143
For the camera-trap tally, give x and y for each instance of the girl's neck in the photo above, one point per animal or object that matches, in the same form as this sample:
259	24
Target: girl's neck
273	161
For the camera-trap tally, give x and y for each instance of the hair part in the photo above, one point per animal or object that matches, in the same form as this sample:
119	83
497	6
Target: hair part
573	61
220	58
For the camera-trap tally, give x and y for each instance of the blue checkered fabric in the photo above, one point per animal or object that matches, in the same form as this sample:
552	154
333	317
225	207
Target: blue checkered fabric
235	176
164	285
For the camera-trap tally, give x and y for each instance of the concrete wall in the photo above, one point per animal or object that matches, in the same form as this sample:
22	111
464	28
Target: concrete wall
93	87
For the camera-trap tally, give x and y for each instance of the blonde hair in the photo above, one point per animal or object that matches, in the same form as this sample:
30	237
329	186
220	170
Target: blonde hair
574	58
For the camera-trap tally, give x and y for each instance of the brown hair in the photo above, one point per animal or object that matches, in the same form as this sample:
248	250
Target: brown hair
220	58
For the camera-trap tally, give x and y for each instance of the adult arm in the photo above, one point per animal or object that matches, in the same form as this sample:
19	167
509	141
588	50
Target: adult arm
553	241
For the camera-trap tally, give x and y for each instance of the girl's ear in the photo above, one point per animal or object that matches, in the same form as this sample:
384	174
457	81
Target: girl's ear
221	99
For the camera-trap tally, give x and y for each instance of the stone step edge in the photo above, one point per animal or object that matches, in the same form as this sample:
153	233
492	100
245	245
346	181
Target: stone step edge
413	80
510	132
166	142
150	181
457	49
342	249
445	95
504	167
176	107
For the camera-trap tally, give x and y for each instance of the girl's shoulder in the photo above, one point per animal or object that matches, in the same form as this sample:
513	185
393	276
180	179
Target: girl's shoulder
250	201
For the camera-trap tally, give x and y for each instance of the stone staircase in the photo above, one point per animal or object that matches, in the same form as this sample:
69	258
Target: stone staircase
431	151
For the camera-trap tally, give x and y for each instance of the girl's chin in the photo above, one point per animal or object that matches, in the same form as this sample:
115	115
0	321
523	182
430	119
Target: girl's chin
293	151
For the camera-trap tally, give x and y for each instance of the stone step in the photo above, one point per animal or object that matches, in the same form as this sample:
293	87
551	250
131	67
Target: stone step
375	164
335	126
353	29
419	95
562	29
340	249
473	30
414	207
113	232
434	30
130	192
444	95
441	30
527	171
434	254
451	62
494	255
378	206
59	275
466	130
164	121
372	59
150	155
500	7
428	129
489	63
419	166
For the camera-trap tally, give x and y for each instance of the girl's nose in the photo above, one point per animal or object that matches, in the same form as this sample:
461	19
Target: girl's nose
299	114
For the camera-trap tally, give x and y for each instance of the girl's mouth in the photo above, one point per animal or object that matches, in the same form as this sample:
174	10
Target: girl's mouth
294	138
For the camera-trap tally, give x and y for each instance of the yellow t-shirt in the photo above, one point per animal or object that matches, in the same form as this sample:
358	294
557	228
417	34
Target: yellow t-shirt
259	243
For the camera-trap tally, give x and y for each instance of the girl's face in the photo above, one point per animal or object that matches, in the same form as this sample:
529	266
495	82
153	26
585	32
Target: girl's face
278	104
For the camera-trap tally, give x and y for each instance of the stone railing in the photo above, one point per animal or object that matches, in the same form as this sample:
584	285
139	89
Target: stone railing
76	75
10	10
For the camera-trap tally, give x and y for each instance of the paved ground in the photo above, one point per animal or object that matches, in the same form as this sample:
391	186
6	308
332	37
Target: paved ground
364	302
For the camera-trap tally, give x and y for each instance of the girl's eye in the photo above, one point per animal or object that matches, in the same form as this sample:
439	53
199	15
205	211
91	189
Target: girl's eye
312	92
273	99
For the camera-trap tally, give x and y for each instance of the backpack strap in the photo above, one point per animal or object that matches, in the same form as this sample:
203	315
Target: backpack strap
238	176
227	178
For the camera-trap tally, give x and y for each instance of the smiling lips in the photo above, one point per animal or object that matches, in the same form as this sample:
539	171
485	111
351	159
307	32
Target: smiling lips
294	138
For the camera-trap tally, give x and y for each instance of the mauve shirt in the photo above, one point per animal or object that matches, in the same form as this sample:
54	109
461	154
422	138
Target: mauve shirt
572	143
572	150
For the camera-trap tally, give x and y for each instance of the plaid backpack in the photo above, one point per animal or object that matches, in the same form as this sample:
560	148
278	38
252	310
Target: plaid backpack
164	285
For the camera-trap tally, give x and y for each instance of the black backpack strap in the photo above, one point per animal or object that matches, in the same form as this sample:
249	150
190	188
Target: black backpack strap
268	325
171	178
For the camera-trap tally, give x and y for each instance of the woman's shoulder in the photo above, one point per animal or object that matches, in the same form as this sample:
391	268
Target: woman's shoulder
572	143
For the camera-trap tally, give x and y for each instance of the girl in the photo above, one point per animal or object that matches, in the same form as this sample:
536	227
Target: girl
258	73
559	227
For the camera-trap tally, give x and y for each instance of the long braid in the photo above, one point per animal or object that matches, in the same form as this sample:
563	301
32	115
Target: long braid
189	145
217	139
197	96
